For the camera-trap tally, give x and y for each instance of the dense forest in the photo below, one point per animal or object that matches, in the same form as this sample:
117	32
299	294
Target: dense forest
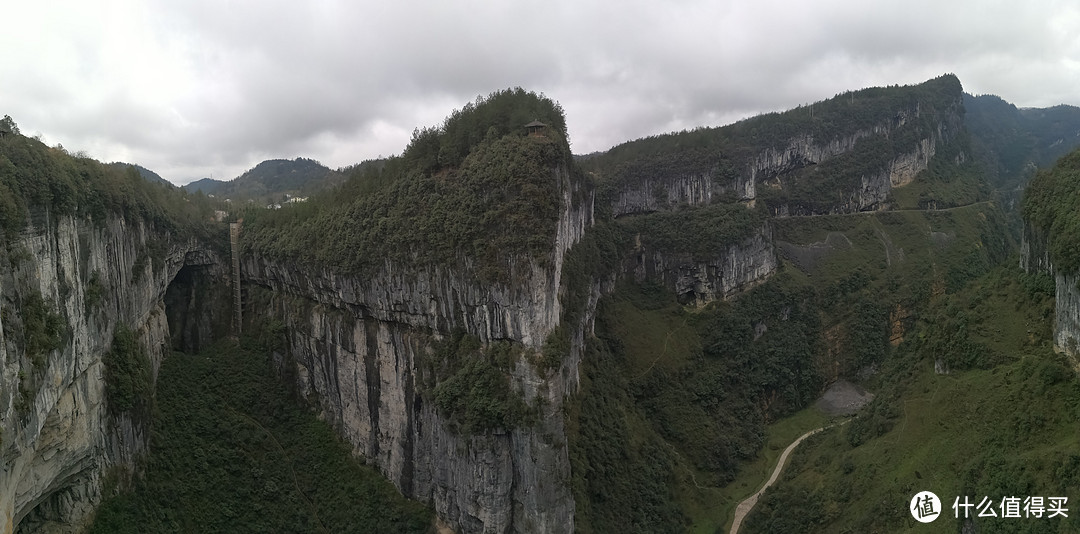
271	181
35	177
676	401
477	187
233	451
1012	143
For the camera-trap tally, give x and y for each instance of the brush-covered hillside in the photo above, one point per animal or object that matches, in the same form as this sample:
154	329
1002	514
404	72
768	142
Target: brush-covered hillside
272	181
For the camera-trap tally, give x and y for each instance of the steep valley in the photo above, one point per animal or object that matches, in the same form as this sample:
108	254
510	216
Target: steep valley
486	334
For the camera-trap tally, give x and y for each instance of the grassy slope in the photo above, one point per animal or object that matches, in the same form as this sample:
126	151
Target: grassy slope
713	509
667	376
1009	429
232	452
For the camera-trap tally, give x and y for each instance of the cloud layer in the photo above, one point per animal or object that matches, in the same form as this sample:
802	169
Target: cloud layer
200	88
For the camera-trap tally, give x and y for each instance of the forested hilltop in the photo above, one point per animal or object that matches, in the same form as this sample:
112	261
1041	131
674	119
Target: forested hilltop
36	179
272	181
477	186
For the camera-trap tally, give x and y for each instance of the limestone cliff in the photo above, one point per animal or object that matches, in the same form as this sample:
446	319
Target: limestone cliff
698	282
1035	258
664	192
58	439
907	136
776	169
356	346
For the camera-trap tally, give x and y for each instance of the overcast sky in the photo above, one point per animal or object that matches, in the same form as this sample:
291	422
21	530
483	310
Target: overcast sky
197	88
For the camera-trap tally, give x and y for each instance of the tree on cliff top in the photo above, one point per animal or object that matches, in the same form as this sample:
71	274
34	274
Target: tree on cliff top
8	126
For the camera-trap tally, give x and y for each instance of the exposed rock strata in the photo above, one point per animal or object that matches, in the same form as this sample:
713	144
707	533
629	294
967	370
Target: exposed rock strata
1035	258
356	344
59	440
698	282
772	166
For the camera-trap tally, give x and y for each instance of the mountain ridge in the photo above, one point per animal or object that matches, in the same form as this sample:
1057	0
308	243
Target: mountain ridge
272	180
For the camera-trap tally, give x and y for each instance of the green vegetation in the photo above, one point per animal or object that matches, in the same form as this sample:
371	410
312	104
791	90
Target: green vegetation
476	189
127	375
704	232
43	327
1001	426
673	400
687	397
1050	203
713	509
34	178
951	179
1012	143
232	451
42	330
147	174
94	292
470	384
271	181
910	113
622	474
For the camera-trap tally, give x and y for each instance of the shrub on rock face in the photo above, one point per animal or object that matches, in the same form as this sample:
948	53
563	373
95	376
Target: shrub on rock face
127	373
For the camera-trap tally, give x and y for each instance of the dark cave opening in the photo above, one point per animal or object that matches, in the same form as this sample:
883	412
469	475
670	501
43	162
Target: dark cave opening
196	306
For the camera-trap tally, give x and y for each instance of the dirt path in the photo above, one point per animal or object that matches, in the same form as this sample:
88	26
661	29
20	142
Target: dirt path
748	503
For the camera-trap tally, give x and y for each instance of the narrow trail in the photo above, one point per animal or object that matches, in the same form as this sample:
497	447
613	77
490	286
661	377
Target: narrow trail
747	504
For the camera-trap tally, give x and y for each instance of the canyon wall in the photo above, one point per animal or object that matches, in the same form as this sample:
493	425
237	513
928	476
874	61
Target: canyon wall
356	346
59	439
1035	258
773	168
697	281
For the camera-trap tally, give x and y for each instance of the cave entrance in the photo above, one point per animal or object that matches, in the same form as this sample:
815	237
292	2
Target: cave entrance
196	305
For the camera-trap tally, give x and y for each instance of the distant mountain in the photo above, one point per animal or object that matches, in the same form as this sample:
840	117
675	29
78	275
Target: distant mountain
1012	142
208	186
271	180
148	174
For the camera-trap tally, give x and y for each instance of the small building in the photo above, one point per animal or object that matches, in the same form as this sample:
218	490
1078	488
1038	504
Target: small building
535	128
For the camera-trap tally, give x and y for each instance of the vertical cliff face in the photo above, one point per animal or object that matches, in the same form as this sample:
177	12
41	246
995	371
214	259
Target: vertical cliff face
356	346
1035	258
58	436
698	282
1067	313
781	170
1034	254
907	137
663	192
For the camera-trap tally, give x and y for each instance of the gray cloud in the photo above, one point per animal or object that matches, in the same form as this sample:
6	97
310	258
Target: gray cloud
194	88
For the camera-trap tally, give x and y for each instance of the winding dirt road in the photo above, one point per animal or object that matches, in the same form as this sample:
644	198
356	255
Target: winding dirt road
748	503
